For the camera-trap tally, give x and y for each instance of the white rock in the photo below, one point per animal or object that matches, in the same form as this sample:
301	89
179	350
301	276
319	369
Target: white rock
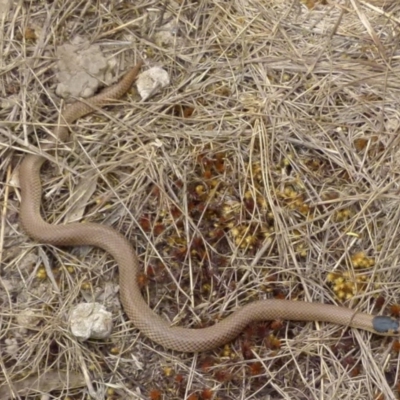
12	346
90	320
151	81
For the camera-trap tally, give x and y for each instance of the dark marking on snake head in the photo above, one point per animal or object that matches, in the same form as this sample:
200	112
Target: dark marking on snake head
384	324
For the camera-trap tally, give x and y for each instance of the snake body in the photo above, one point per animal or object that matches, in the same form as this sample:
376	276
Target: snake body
136	308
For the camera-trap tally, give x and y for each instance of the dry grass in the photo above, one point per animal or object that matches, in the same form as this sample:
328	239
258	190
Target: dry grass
270	162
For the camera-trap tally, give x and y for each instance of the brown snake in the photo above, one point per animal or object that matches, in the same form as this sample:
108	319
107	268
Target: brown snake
138	311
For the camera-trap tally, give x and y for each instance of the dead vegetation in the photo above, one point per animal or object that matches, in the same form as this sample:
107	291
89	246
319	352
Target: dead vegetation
269	168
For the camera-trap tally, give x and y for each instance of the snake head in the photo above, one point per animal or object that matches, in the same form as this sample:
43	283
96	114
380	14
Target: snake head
384	325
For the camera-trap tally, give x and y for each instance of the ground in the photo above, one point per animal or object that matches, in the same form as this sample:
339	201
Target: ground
267	168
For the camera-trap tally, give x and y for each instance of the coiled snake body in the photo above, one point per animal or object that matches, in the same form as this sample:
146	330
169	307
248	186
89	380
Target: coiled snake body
138	311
